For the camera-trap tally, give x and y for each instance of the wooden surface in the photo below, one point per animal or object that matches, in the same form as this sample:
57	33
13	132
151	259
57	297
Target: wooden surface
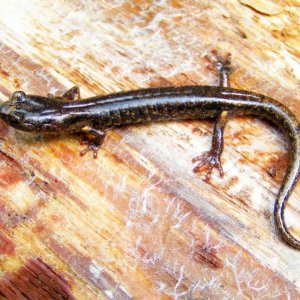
137	223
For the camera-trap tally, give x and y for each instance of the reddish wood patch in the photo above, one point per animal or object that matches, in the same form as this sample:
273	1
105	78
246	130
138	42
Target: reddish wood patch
35	280
209	256
6	245
11	173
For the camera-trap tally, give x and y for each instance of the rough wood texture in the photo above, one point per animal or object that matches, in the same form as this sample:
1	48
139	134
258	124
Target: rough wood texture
136	222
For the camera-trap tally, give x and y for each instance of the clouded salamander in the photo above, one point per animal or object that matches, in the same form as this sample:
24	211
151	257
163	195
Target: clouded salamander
92	116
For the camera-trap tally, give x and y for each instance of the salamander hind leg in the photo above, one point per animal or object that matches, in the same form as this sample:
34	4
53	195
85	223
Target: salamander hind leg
211	159
93	138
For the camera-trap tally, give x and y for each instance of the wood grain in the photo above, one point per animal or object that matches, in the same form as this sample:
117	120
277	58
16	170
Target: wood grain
137	223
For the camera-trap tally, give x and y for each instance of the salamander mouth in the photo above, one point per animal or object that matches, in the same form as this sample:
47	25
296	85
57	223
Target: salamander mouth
9	115
3	110
6	109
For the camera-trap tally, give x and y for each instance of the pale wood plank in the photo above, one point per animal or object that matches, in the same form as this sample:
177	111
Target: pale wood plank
137	222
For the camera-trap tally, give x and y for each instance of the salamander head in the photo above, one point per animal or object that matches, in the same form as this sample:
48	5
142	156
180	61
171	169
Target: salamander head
15	110
34	113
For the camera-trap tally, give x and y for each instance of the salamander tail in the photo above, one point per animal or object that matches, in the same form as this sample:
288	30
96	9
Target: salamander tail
287	187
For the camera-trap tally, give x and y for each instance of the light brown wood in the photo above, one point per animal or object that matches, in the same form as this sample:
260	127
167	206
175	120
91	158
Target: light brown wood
137	222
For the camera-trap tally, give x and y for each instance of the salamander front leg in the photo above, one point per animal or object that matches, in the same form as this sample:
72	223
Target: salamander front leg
211	159
93	138
70	95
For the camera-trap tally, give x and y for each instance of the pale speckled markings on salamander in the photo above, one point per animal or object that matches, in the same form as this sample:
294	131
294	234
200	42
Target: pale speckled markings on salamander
91	116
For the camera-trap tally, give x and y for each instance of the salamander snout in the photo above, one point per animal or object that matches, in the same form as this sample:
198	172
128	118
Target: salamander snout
9	107
6	109
11	111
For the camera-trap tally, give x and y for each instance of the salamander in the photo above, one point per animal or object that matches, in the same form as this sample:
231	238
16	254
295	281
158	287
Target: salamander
92	116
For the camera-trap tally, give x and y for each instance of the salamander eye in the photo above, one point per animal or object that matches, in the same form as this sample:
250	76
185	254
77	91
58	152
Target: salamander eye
18	96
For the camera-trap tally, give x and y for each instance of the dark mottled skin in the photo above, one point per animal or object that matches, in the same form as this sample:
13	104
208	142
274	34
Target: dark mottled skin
91	116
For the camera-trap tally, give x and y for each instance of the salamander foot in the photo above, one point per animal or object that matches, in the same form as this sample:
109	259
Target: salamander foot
208	161
217	62
93	138
91	146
